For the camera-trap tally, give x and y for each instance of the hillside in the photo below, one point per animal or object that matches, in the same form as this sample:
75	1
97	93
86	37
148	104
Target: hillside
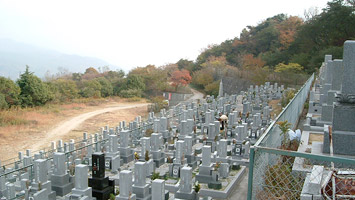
14	57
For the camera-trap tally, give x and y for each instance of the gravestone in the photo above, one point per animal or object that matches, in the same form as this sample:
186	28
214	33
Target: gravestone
222	150
140	186
190	157
126	153
126	186
112	156
41	179
158	156
179	159
101	186
344	108
158	190
60	178
185	189
81	189
204	174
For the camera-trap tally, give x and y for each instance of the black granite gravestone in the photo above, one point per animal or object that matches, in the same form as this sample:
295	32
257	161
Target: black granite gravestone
102	187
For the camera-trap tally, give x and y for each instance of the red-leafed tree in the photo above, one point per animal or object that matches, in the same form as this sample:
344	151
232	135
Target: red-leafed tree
179	78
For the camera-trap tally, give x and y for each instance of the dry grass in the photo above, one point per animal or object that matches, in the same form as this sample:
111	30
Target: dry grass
20	128
276	108
313	137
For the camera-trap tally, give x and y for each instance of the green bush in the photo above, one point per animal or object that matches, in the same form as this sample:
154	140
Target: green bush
10	91
106	87
155	175
92	88
129	93
65	90
3	103
212	88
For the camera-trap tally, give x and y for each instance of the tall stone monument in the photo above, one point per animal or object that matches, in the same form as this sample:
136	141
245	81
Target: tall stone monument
344	108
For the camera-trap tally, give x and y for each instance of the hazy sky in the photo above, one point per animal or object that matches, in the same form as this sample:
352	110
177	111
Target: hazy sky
134	33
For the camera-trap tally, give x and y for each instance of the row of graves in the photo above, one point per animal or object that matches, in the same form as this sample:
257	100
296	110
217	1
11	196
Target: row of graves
182	153
331	111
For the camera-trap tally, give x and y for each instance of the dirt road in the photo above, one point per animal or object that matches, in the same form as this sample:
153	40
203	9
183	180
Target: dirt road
65	122
65	127
197	95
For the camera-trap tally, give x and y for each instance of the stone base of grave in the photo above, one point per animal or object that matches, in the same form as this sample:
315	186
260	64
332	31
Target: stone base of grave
343	142
193	164
99	183
78	197
112	162
203	178
174	170
314	108
126	154
223	160
132	197
61	184
42	194
327	113
63	190
215	185
166	195
182	195
103	194
127	159
142	192
159	162
191	161
3	193
86	192
52	195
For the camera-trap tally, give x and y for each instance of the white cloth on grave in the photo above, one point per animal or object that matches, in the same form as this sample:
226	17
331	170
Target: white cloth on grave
294	135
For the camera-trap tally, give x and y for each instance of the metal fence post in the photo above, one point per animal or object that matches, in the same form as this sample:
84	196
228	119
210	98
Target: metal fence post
251	167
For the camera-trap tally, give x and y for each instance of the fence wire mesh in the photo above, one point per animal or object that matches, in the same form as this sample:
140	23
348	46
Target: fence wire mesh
283	174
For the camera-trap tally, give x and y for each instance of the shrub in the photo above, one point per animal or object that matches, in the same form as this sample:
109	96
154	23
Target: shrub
10	91
129	93
3	103
155	175
91	88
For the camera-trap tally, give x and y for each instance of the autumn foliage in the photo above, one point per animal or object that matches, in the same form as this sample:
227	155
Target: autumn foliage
180	78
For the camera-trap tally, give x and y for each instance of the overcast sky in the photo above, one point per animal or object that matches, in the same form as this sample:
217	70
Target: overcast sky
134	33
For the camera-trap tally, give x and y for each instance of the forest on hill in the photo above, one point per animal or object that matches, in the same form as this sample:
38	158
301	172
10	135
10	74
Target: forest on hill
281	48
284	49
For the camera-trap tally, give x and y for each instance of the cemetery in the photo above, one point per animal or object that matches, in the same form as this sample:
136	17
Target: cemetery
331	117
194	150
322	165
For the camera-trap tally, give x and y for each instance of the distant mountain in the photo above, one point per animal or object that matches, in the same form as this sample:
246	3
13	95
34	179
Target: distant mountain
14	57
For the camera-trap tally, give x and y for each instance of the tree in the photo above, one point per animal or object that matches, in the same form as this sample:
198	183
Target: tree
66	90
203	77
10	91
106	87
135	82
92	88
185	64
33	91
250	62
288	29
290	68
212	88
180	77
90	73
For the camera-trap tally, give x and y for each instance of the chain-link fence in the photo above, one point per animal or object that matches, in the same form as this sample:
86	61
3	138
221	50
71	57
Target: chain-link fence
275	173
